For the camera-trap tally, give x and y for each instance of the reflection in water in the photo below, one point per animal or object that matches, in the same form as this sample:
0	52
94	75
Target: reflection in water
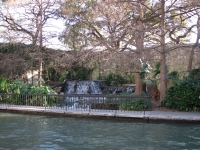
18	131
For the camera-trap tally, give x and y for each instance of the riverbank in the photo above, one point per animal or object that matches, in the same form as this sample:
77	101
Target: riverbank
147	116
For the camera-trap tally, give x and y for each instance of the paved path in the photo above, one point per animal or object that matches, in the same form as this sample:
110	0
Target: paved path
133	115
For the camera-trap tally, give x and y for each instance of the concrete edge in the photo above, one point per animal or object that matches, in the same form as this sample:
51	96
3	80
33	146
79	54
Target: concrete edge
140	118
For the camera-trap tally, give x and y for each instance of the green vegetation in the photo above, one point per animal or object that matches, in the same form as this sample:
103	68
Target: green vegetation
130	104
52	75
114	79
130	79
136	104
16	89
8	48
185	95
133	104
79	73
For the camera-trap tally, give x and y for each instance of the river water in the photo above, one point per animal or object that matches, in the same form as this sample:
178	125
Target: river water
21	132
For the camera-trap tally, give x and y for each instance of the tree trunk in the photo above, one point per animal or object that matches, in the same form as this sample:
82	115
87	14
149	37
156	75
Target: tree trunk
195	45
191	58
40	69
40	47
139	87
163	76
140	48
156	93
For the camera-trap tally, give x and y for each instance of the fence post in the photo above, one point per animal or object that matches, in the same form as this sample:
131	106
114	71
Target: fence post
8	102
115	105
144	106
45	101
89	104
64	103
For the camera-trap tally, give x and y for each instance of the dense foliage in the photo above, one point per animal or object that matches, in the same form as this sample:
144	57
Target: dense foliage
185	95
114	79
16	87
136	104
52	75
130	104
79	73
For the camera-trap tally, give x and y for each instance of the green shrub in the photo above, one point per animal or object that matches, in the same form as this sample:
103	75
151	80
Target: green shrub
130	79
63	76
79	73
114	79
7	48
136	104
184	96
54	75
34	89
3	85
194	74
16	88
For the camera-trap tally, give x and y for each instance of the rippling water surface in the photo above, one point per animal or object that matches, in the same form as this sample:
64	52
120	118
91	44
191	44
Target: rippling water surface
19	131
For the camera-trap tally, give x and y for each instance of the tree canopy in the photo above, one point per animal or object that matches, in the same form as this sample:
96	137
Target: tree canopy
148	29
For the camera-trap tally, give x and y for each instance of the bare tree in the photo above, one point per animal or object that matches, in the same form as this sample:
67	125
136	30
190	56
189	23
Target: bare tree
112	26
134	25
89	25
171	20
28	19
193	5
163	75
195	45
95	26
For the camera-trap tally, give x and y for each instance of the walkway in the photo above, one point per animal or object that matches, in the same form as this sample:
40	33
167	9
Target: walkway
137	115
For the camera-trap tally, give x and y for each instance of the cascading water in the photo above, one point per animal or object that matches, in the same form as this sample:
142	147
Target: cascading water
81	87
77	87
94	87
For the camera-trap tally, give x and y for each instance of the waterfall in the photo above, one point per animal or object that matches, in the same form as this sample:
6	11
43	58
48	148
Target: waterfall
94	87
90	87
81	87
